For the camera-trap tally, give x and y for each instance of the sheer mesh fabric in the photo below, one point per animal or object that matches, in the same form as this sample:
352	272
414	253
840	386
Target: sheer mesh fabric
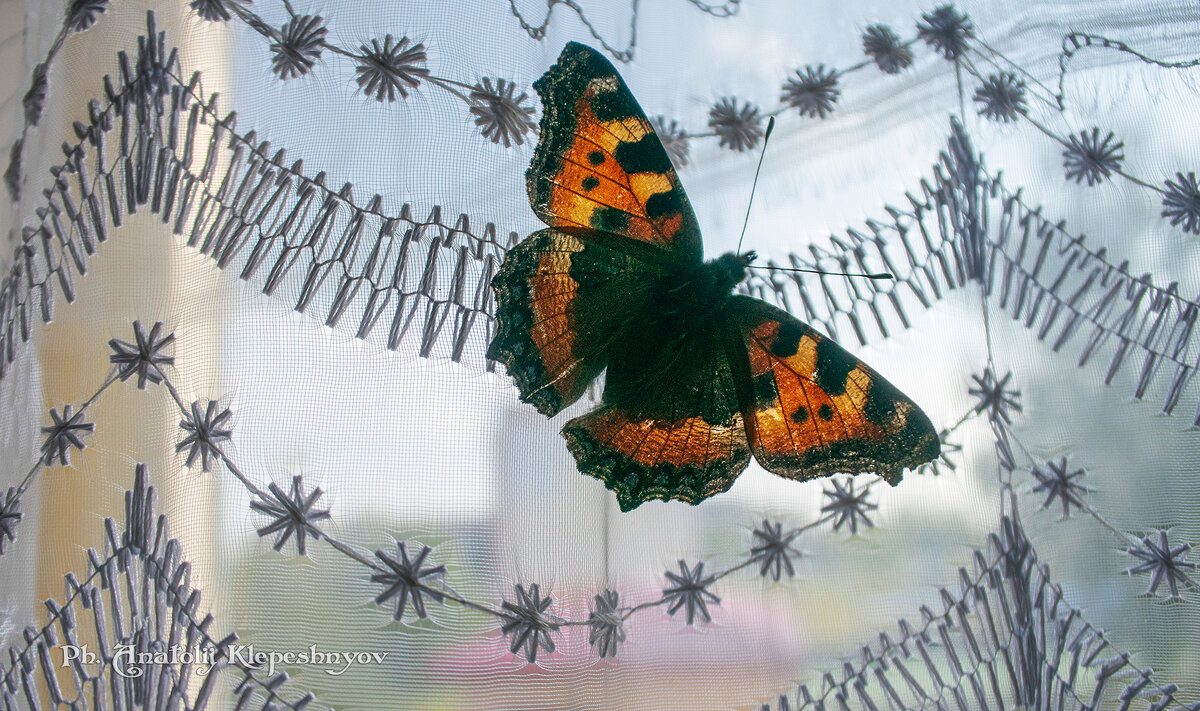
248	408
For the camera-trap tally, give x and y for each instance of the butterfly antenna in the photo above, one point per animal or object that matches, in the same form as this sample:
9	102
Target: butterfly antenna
745	222
876	275
766	137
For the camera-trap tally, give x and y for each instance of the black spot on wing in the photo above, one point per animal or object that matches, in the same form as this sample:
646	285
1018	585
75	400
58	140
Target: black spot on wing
765	390
787	340
825	412
660	204
645	156
880	405
801	414
595	157
590	182
614	105
833	365
595	268
609	219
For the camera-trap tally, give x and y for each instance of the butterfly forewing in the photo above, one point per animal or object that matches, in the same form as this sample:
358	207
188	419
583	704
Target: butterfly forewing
812	409
599	166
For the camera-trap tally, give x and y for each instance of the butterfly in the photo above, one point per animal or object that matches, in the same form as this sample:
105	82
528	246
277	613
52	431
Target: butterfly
697	377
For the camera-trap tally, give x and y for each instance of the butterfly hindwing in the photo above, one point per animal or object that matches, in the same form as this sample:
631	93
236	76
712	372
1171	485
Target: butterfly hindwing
812	409
599	166
668	428
560	304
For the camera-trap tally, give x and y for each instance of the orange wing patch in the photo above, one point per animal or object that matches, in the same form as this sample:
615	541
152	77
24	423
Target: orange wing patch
552	293
592	190
599	165
640	459
812	409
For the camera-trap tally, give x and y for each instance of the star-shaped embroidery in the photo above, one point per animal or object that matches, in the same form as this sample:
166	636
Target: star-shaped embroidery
204	432
10	516
995	397
528	623
405	580
606	624
848	506
143	357
1058	483
67	431
1164	562
773	550
689	590
293	514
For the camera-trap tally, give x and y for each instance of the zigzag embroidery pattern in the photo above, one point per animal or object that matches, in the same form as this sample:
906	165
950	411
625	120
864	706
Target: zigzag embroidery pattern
426	279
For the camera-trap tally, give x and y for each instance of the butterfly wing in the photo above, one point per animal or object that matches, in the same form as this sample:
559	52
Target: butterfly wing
811	409
560	303
599	166
670	426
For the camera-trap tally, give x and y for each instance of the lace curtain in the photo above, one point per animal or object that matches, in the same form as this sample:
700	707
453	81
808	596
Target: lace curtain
248	412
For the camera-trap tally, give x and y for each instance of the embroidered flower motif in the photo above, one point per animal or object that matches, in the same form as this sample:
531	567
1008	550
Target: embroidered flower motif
689	590
1058	483
299	47
526	620
1164	562
205	431
773	550
812	92
1001	98
67	431
738	128
946	30
10	516
1089	158
215	10
884	48
606	623
501	118
1181	203
848	506
293	514
674	139
405	580
390	68
995	397
144	357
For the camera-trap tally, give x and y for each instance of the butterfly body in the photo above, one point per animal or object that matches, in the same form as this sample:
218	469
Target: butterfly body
664	342
698	378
